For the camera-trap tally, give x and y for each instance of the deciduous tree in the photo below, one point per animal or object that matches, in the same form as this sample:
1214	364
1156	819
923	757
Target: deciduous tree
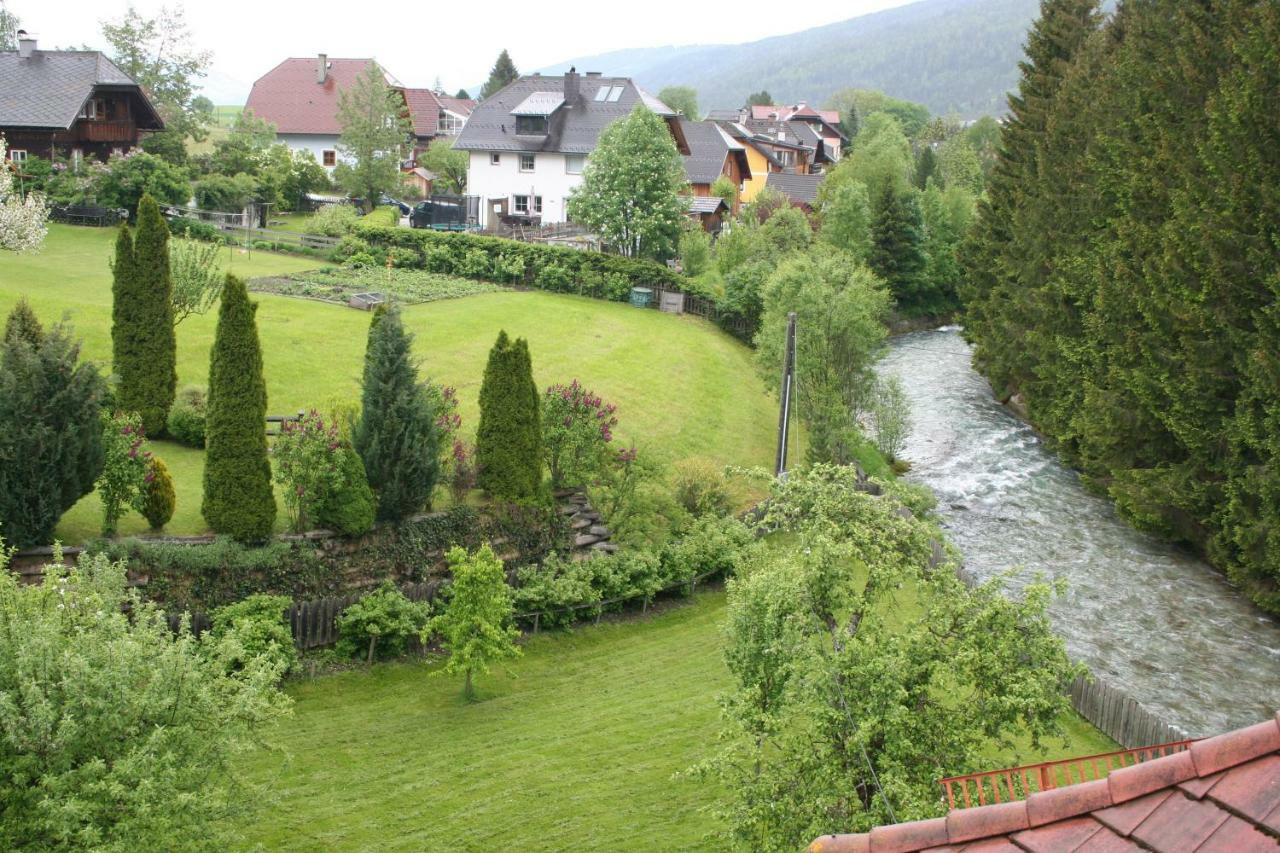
682	99
22	219
475	628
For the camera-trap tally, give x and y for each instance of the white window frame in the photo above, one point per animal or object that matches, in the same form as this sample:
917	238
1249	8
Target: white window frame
13	155
449	124
495	159
94	109
520	205
580	159
531	159
537	205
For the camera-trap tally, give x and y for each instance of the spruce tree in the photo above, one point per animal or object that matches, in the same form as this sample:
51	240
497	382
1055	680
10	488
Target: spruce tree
143	343
897	251
50	432
509	438
504	72
397	437
238	499
926	167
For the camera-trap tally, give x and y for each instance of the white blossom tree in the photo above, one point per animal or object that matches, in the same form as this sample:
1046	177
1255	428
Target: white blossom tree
22	220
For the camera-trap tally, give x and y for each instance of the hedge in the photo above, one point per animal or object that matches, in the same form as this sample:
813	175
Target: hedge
552	268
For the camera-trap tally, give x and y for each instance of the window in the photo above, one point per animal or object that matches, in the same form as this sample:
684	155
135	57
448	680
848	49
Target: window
448	123
94	109
329	157
602	93
522	204
526	162
573	163
495	159
17	155
537	204
614	94
531	125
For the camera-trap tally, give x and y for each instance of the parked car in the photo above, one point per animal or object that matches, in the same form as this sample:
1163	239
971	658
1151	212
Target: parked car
405	210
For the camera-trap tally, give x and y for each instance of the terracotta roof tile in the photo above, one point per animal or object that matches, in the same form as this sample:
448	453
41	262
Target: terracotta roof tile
900	837
289	97
1125	818
992	845
1180	823
1107	841
1129	783
1198	787
970	824
1059	836
860	843
1272	821
1251	790
1048	806
1218	753
1237	835
424	111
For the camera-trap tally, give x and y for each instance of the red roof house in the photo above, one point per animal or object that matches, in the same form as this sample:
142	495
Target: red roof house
1220	794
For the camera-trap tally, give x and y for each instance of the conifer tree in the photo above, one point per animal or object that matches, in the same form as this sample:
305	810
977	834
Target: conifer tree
509	438
504	72
897	250
397	437
144	346
238	499
23	324
926	167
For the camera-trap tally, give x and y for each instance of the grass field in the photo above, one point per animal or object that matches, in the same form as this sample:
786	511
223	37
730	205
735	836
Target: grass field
574	746
683	388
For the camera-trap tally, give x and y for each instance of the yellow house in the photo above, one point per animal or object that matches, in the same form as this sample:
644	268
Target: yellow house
759	165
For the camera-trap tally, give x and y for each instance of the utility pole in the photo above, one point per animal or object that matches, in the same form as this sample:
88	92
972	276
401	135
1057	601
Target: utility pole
788	388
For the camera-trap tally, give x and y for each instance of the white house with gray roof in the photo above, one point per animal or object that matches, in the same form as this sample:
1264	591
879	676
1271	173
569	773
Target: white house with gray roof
528	143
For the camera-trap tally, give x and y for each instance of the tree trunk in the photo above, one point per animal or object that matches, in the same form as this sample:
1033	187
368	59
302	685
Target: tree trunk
467	690
373	641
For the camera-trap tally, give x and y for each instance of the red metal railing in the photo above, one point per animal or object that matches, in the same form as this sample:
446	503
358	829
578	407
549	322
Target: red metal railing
1018	783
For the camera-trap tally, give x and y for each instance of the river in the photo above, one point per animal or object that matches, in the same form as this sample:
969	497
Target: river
1141	614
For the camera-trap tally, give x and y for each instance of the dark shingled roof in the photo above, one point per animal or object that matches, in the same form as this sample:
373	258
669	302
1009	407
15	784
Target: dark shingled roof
706	204
708	148
799	188
1222	794
48	89
573	128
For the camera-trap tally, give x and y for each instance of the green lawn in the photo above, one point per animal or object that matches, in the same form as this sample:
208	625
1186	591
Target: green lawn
575	746
683	388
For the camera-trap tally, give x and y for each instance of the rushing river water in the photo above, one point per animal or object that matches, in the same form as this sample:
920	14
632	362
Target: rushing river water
1139	613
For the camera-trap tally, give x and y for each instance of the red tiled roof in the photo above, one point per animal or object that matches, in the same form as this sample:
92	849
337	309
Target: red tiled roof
1223	794
424	111
289	97
461	106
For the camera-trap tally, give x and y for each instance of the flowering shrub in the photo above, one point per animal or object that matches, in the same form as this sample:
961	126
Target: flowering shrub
22	220
577	427
306	465
461	469
126	468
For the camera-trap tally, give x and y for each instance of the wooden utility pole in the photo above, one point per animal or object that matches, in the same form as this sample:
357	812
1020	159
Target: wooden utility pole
788	387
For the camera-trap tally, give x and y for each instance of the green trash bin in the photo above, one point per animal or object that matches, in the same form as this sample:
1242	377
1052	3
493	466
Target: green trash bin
641	297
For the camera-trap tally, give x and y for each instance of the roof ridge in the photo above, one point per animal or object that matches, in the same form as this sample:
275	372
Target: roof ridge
1204	758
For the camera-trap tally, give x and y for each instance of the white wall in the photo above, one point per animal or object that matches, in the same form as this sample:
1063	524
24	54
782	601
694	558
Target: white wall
505	180
316	143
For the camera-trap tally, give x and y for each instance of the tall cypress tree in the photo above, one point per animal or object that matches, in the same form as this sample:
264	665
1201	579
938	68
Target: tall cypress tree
238	499
143	342
396	437
897	251
509	438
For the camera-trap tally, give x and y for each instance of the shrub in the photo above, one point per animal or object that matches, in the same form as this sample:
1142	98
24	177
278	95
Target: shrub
194	229
577	428
333	220
695	251
158	497
49	458
476	263
380	624
197	277
550	589
187	417
714	546
349	246
254	630
461	470
238	499
361	260
349	506
701	488
126	463
553	278
509	438
225	193
306	465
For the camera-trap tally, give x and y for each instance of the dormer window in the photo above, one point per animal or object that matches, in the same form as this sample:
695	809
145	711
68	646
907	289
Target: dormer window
531	125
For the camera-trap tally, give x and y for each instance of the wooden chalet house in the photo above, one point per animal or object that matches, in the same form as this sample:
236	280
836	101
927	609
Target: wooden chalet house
70	104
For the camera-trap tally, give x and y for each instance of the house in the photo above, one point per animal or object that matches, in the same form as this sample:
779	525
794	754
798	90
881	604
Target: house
433	113
712	154
802	190
822	126
528	142
70	104
1217	794
709	210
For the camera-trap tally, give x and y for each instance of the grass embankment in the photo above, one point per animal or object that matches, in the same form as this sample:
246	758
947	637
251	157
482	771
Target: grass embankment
683	388
574	745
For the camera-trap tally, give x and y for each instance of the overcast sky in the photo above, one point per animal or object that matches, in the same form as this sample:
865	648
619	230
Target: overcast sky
420	41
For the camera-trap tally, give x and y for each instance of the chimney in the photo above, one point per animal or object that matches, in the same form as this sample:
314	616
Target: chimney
26	44
322	68
572	85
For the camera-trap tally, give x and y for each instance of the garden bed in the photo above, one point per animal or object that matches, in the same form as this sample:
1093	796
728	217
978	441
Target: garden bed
339	284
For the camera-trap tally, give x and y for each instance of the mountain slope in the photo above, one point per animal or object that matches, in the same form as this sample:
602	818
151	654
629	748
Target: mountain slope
954	56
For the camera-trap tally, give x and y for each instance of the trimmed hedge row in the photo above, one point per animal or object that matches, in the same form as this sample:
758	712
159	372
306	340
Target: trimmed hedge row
552	268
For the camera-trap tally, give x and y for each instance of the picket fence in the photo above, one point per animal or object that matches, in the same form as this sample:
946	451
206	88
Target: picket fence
1120	716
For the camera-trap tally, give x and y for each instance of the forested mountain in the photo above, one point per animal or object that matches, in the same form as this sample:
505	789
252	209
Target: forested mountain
1125	272
956	56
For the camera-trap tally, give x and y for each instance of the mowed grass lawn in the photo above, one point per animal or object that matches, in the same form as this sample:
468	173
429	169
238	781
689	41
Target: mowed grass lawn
574	745
684	389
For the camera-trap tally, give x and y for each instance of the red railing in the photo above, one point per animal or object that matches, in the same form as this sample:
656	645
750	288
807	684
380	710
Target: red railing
1018	783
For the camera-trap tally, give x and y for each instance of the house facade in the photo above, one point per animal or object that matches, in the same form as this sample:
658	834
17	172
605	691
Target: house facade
529	142
69	104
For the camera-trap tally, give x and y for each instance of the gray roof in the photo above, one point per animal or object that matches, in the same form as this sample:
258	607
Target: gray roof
539	104
723	115
574	128
709	144
48	89
706	204
801	188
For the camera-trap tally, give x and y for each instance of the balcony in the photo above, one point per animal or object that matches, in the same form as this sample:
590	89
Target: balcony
120	130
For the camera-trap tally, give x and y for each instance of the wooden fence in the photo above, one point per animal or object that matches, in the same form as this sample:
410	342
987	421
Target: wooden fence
1119	716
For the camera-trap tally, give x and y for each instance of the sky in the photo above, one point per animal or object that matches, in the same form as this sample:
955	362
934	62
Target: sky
419	42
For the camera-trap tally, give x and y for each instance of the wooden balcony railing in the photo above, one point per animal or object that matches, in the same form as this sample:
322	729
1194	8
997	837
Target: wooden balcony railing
122	130
1018	783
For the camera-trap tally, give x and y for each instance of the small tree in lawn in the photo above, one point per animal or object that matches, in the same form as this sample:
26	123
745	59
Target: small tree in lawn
509	438
397	435
630	191
238	499
197	277
374	129
475	629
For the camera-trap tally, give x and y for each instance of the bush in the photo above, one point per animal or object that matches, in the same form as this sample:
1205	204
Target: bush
158	496
509	439
348	507
577	428
126	464
254	630
227	194
194	229
380	624
701	488
349	246
713	547
695	251
553	278
333	220
306	466
187	417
